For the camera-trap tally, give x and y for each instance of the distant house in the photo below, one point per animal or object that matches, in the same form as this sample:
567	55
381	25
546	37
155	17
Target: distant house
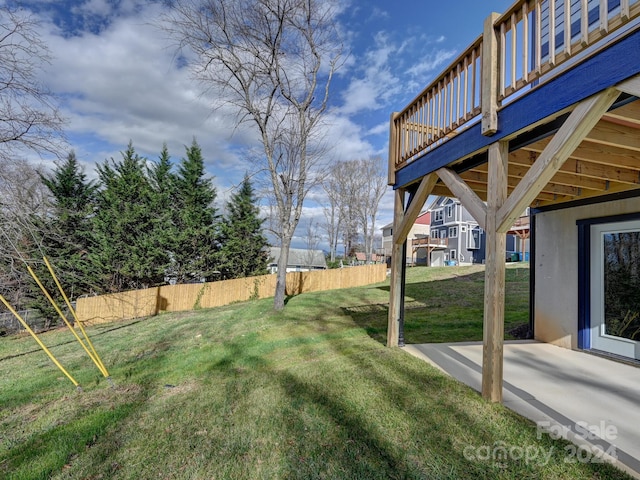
419	230
300	260
462	239
361	258
446	233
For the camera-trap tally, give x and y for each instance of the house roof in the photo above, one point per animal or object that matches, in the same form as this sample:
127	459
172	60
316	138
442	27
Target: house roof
362	257
300	257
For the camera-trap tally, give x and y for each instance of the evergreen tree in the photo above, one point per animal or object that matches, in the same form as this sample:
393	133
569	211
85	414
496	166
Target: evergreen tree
67	231
163	183
129	250
243	244
196	246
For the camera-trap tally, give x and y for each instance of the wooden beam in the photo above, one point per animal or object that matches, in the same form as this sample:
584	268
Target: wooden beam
592	152
465	194
615	135
394	146
583	118
493	323
613	188
631	86
414	208
490	76
517	171
395	287
553	187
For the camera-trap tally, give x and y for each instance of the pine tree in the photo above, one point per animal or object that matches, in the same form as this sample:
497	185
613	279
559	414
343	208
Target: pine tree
243	244
163	183
67	231
128	225
196	249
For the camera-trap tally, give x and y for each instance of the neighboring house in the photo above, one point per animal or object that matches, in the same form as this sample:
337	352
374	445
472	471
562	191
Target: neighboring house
361	258
447	234
462	239
419	232
300	260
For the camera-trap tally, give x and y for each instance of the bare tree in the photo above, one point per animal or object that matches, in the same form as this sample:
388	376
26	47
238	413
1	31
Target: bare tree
312	240
273	62
372	186
23	202
356	188
332	214
341	185
29	116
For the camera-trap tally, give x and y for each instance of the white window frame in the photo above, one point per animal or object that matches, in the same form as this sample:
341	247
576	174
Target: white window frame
443	233
438	216
463	229
472	244
453	255
453	232
434	234
450	211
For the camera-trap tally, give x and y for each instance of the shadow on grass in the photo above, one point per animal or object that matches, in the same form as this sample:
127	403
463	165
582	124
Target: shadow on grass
449	309
377	413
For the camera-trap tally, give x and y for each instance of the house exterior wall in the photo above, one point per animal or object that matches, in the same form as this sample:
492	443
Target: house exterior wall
417	230
556	268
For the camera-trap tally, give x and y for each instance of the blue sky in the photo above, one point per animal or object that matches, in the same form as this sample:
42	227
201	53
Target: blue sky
118	80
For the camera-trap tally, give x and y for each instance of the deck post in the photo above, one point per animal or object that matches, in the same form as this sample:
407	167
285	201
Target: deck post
394	145
493	332
395	287
490	76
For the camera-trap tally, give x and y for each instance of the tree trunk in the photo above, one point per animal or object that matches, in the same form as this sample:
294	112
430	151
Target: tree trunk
281	275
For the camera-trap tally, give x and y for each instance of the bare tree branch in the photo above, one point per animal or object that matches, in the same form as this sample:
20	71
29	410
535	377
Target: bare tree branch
273	61
29	115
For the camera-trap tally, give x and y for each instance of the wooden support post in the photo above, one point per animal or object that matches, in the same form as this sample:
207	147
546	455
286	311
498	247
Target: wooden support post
575	128
493	333
413	210
490	76
467	197
394	145
631	86
395	290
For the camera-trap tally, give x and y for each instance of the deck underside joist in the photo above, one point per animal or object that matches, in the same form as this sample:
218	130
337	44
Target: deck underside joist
606	162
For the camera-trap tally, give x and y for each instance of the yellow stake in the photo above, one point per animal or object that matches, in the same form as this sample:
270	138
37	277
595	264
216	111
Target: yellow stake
75	317
64	318
42	345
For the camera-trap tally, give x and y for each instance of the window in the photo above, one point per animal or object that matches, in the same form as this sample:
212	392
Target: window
453	232
437	215
443	233
434	234
446	257
463	229
473	241
449	211
453	255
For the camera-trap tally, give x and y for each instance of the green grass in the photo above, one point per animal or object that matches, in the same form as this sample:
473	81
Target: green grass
446	305
242	392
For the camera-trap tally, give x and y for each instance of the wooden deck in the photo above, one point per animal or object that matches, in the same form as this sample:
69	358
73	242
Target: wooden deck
528	94
542	109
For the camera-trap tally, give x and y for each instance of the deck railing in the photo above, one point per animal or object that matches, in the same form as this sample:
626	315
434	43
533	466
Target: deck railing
428	242
528	45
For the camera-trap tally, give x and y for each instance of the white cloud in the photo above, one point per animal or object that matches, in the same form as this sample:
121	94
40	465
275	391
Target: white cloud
431	64
123	84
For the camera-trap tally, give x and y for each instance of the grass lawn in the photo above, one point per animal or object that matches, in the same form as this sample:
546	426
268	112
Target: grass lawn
241	392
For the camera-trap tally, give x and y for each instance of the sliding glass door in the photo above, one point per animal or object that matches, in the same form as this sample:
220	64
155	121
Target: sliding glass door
615	288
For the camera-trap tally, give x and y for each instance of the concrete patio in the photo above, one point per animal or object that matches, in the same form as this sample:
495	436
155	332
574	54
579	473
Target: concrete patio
572	393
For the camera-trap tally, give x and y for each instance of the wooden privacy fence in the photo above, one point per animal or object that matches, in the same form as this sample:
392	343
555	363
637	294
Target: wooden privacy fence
175	298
